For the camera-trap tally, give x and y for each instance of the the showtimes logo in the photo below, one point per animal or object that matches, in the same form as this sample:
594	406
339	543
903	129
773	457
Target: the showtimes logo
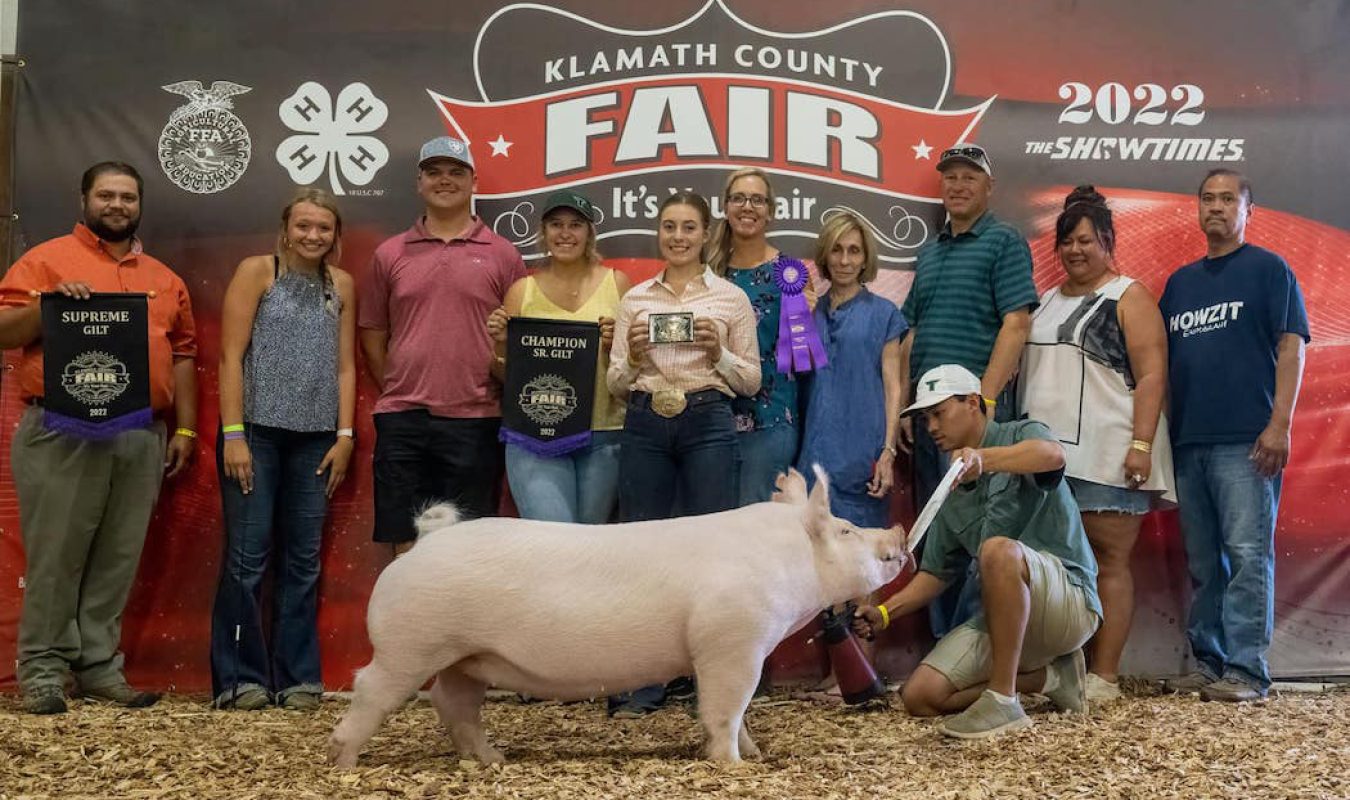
1148	104
1138	148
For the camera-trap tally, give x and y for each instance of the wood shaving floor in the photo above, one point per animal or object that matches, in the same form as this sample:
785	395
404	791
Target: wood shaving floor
1155	747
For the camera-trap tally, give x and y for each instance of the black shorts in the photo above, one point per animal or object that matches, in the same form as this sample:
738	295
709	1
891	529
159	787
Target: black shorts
422	459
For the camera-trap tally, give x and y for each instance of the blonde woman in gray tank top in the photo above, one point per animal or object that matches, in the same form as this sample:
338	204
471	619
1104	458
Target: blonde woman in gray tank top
287	401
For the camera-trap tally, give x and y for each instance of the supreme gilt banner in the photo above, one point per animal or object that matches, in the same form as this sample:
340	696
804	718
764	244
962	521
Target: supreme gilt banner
96	364
550	384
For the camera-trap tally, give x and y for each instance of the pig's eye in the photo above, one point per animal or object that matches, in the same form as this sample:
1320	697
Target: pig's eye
849	531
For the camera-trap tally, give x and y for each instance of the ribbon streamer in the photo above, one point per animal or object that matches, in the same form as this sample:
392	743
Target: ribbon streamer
798	341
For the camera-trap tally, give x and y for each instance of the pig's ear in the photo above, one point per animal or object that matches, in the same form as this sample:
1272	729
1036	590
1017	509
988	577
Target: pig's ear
818	514
791	488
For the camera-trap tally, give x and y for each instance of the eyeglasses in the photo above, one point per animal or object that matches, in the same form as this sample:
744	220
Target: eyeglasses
755	200
963	152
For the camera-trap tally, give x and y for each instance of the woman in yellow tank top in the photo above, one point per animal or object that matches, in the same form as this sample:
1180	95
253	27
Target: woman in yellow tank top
580	486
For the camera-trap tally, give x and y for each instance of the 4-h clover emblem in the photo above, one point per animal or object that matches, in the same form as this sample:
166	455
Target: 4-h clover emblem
332	136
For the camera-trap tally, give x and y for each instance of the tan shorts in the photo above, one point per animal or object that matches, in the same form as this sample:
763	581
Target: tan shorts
1060	622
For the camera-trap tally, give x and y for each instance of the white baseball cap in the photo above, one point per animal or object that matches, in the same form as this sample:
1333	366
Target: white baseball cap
939	383
966	153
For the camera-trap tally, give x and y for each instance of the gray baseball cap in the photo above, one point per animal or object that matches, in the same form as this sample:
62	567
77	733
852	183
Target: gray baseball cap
445	147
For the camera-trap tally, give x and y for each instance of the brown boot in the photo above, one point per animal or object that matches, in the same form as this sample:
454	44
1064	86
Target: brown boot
121	694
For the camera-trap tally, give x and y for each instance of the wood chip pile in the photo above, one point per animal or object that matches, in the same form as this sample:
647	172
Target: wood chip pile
1155	747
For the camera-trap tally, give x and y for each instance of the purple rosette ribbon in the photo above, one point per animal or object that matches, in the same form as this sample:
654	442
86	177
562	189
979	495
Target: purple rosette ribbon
798	341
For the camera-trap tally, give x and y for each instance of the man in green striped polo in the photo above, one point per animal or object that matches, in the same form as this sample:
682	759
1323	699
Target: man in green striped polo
970	305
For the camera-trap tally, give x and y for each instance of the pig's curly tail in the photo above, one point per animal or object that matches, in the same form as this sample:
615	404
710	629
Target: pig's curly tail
434	518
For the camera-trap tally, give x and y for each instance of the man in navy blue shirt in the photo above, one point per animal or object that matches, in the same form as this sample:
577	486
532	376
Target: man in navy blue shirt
1236	329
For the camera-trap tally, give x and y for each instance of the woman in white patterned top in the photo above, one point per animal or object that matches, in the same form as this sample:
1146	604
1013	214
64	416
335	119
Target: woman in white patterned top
1095	371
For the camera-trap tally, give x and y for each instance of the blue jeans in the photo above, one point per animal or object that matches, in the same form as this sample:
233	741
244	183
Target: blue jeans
694	455
1228	514
764	454
284	511
581	486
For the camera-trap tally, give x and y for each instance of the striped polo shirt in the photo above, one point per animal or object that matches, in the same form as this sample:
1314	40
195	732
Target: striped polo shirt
963	286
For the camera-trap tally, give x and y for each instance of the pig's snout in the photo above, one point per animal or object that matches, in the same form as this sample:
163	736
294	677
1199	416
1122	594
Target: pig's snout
893	547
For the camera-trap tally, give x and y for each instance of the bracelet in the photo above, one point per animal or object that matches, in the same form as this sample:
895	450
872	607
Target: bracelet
1141	445
237	428
890	448
233	436
346	432
989	402
188	432
885	617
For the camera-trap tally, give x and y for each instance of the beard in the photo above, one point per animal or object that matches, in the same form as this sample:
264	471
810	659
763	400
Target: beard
107	232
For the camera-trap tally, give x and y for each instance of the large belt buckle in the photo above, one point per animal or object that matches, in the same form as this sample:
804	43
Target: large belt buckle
669	402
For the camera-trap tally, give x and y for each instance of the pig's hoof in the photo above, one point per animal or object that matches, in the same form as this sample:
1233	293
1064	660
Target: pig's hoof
340	755
490	755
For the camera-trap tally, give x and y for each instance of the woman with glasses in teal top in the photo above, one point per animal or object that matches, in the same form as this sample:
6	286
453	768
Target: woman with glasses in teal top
767	422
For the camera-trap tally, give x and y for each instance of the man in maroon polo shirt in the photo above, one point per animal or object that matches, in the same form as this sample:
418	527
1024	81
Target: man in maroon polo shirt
423	314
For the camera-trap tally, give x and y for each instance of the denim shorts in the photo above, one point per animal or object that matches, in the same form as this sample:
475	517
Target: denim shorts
1098	497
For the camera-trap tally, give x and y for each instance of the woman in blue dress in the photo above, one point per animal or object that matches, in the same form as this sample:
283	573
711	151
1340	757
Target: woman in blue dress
853	403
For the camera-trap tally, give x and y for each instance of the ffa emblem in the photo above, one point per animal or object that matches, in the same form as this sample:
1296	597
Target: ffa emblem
204	148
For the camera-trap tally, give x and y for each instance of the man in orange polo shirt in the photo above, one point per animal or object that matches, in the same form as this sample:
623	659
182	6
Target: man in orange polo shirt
84	506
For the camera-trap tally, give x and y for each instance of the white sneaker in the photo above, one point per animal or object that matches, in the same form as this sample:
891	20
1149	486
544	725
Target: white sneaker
1100	690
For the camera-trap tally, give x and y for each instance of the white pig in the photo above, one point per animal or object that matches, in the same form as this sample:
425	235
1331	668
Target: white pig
565	611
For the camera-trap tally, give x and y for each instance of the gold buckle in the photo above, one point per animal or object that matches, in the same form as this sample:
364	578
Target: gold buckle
669	402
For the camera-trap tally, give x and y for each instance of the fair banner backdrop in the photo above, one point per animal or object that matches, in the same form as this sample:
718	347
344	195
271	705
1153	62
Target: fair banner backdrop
226	107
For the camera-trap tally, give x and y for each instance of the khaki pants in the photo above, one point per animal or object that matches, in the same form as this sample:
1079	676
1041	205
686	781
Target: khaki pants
1059	623
84	508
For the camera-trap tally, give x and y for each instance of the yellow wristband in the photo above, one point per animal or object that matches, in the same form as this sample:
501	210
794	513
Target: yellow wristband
188	432
239	428
885	617
1141	445
989	403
